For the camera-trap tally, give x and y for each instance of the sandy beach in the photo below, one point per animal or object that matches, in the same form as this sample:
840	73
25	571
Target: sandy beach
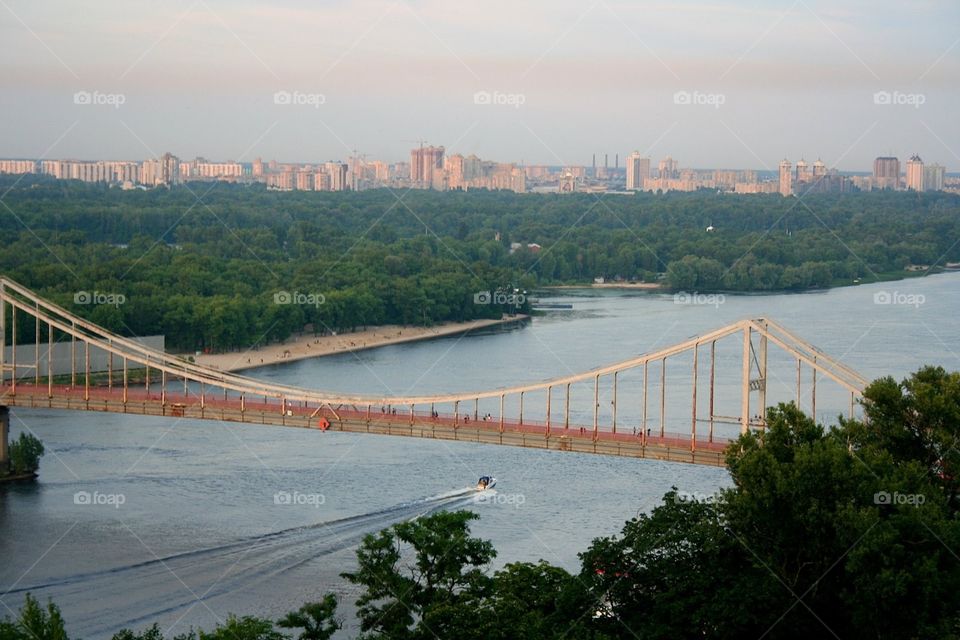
307	345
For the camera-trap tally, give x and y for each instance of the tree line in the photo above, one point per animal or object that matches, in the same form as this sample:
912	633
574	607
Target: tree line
207	271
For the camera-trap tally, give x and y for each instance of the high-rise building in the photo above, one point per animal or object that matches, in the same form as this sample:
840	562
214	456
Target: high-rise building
338	175
18	166
424	162
915	173
169	169
638	171
819	169
786	186
803	172
886	172
667	168
933	177
453	166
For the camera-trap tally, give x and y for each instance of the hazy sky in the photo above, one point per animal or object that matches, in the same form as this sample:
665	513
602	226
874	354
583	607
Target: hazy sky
765	79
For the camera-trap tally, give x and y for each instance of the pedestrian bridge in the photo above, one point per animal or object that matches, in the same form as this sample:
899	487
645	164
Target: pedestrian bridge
620	409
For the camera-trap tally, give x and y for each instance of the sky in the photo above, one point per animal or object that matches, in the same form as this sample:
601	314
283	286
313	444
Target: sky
728	84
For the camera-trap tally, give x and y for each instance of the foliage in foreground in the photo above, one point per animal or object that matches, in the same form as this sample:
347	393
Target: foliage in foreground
849	532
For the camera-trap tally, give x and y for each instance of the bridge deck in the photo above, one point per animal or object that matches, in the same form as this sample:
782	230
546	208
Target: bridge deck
576	438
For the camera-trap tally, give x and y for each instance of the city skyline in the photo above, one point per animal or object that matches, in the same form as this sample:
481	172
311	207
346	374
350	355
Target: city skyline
430	167
733	85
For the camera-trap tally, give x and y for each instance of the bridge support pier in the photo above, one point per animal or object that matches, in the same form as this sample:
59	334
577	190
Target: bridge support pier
4	438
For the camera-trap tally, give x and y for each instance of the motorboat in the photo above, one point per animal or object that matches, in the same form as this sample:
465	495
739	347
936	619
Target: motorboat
486	482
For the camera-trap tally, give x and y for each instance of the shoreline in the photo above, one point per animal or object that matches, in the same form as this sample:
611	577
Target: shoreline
306	345
645	286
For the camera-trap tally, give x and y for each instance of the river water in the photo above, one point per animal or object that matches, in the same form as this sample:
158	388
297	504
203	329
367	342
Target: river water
191	520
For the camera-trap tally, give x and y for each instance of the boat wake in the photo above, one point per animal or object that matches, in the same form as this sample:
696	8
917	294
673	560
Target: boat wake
101	602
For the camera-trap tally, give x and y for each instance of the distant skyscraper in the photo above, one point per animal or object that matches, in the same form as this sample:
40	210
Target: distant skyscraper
933	176
915	173
819	169
886	172
667	168
786	186
638	171
338	175
453	165
424	162
169	169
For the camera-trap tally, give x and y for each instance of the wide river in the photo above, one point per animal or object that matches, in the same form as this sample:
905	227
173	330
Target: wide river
189	526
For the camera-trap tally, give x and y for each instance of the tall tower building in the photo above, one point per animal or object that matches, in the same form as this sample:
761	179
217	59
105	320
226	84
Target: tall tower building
886	172
424	162
338	175
915	173
169	169
638	171
786	178
819	169
453	165
933	176
667	168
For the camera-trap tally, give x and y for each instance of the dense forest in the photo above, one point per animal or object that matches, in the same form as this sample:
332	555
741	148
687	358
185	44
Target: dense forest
848	532
219	266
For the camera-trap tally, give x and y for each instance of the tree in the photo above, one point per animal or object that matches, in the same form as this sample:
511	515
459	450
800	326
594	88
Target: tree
317	619
34	623
25	453
245	628
918	420
399	598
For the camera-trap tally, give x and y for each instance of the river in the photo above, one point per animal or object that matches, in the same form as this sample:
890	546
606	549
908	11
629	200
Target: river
188	520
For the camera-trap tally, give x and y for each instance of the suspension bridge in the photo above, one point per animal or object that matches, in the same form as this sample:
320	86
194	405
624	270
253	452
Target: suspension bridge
577	412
